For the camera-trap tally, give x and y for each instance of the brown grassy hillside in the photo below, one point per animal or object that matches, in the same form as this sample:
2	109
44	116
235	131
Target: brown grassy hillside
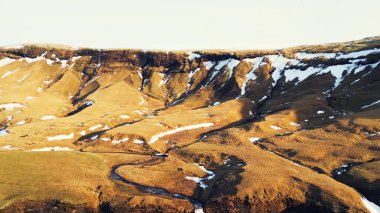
290	130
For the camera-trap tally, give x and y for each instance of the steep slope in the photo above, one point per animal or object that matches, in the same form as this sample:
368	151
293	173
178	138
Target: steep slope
281	130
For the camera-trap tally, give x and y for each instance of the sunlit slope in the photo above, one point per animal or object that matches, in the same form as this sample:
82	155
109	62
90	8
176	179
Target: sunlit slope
252	131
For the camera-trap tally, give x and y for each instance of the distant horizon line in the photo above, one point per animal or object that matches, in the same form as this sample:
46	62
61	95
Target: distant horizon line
77	47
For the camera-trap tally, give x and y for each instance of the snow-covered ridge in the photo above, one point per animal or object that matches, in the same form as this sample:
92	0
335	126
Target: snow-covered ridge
282	66
357	54
289	69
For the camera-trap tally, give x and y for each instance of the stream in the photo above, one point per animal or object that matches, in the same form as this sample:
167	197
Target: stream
198	206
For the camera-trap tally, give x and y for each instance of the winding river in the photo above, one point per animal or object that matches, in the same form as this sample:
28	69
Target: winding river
198	206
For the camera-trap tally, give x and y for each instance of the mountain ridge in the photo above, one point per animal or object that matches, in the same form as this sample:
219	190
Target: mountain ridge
64	46
254	131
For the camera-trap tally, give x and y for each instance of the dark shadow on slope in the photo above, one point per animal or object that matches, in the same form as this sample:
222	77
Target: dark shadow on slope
222	183
83	94
80	108
47	206
361	181
315	203
345	102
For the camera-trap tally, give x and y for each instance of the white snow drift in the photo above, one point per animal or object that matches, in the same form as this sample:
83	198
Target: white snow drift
154	138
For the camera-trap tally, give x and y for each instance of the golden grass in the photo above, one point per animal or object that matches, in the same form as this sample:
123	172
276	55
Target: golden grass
169	175
68	176
269	177
251	170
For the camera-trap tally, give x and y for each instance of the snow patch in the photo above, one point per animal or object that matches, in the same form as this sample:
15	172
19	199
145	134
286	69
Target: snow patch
38	58
372	207
6	61
254	140
193	56
199	180
142	101
294	124
275	127
73	59
337	71
221	64
95	127
20	123
209	64
366	106
9	147
138	112
154	138
163	79
190	77
231	65
9	73
263	98
94	137
23	78
48	149
124	116
3	132
358	54
61	137
292	74
303	55
120	141
136	141
279	62
30	98
47	82
48	117
250	76
49	62
63	63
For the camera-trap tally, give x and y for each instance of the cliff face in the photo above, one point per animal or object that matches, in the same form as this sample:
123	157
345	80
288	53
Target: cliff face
252	74
276	128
